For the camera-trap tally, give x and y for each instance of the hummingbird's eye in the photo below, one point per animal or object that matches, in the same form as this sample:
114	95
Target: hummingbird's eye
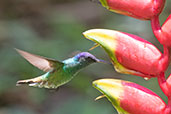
88	57
91	59
81	59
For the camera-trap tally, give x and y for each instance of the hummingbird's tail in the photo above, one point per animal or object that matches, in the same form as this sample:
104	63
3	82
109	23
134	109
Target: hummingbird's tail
35	82
40	82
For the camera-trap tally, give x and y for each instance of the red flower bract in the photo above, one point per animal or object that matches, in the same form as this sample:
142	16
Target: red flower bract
166	32
163	34
130	98
129	53
141	9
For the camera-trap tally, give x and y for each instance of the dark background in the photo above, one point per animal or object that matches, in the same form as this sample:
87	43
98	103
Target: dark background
53	28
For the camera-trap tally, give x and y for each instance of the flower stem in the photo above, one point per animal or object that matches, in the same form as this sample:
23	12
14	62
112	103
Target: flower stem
168	83
168	108
155	24
162	83
164	88
169	54
169	105
164	61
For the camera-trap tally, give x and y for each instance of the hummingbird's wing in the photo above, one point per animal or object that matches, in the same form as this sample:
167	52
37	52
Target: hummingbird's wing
42	63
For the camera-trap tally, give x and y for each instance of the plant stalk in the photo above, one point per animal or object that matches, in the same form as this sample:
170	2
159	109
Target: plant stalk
156	27
162	83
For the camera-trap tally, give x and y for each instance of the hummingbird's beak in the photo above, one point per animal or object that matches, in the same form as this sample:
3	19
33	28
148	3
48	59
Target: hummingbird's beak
103	61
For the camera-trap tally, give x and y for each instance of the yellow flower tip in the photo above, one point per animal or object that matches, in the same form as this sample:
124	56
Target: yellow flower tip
112	88
95	34
107	83
104	3
104	37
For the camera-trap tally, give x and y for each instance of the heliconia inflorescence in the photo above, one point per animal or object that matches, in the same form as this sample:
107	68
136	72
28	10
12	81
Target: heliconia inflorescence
130	98
140	9
129	53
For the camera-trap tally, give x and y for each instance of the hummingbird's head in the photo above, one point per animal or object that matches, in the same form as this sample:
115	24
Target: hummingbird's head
86	57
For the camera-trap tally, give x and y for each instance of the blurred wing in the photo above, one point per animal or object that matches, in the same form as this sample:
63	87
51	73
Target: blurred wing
42	63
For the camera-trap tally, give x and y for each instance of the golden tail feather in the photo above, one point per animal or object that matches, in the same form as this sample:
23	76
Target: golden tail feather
30	82
37	82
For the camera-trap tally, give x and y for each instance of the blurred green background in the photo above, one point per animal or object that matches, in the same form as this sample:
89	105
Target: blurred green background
53	28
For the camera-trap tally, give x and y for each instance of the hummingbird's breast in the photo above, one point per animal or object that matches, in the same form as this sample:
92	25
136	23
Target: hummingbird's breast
72	66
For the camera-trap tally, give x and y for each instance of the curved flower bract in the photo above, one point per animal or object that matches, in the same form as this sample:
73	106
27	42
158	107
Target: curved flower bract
166	32
140	9
168	83
130	98
129	54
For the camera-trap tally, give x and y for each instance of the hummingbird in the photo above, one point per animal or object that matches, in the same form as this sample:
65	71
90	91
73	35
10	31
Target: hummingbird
56	73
